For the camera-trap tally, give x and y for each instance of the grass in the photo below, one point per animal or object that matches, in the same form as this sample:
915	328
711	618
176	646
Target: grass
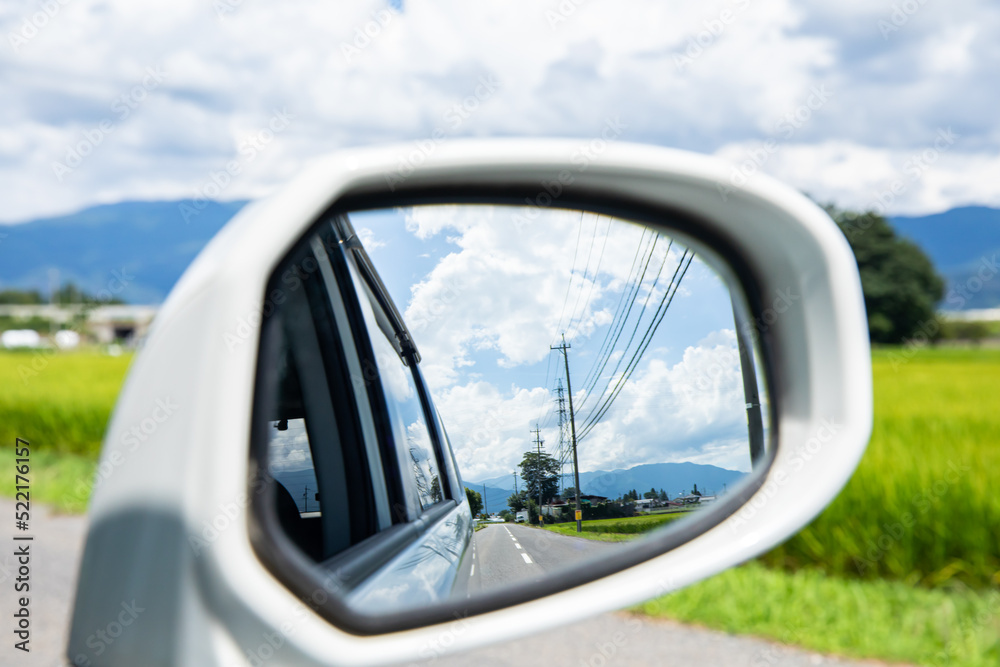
60	403
615	530
923	506
888	620
903	565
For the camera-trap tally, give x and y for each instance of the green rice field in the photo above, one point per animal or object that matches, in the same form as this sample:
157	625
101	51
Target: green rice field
616	530
904	565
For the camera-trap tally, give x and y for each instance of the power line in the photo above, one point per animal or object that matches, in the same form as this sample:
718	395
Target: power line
626	289
621	329
586	270
572	270
593	419
593	277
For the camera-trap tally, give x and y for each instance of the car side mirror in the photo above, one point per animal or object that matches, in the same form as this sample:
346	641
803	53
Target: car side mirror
318	478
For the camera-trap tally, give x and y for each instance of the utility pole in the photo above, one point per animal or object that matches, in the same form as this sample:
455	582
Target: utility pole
755	423
563	435
572	425
486	505
538	473
305	499
515	482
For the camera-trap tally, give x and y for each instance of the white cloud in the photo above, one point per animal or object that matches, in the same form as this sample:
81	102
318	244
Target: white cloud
369	240
419	71
692	411
514	286
486	313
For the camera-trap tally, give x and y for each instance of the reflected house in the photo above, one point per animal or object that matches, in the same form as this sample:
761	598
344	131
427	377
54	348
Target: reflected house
566	508
556	508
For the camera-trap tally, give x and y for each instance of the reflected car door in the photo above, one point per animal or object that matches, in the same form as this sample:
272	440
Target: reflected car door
351	398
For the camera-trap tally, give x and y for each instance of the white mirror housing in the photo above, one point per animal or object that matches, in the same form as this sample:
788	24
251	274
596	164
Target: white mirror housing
169	526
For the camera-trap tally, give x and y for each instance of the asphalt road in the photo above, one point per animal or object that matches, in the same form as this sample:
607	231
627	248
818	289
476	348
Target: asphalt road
507	553
611	639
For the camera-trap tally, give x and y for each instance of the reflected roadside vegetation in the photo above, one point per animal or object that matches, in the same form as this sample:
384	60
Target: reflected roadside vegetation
541	330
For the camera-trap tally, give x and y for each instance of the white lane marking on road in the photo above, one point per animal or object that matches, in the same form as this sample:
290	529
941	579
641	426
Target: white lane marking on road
526	559
473	570
518	545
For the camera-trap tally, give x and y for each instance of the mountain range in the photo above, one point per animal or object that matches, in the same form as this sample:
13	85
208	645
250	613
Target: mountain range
148	244
964	244
674	478
151	243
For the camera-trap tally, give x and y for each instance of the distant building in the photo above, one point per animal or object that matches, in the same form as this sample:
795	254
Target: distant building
125	323
555	509
105	324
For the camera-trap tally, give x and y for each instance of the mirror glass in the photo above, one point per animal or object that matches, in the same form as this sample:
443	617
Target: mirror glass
451	375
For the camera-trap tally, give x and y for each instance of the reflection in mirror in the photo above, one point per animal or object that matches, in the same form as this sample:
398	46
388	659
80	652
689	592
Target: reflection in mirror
566	367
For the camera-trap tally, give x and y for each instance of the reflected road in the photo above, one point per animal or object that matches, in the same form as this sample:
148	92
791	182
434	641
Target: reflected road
505	553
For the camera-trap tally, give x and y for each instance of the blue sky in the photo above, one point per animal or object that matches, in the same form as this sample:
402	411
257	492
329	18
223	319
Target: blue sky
106	100
485	299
